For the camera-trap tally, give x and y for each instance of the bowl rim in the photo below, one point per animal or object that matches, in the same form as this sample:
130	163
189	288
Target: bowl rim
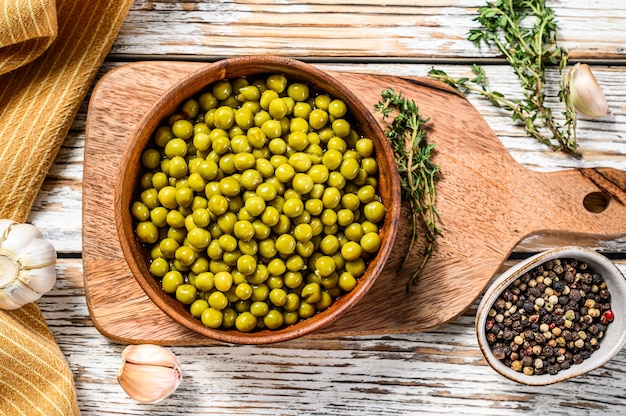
616	284
189	86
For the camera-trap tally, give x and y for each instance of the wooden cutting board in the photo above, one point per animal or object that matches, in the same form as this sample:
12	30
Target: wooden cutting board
488	203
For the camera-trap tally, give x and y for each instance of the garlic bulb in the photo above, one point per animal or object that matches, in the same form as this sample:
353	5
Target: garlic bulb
149	373
587	96
27	264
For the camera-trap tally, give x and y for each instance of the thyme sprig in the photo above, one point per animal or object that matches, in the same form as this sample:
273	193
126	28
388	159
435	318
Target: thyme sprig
417	171
529	49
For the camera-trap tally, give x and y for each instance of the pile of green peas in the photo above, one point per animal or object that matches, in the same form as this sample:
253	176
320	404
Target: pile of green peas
258	203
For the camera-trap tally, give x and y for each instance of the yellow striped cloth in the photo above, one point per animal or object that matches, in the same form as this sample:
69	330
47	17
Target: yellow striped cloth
50	52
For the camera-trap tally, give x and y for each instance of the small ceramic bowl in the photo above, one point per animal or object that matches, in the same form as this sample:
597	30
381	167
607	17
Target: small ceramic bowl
127	190
614	336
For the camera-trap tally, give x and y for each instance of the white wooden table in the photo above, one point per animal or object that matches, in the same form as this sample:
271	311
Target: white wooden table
441	371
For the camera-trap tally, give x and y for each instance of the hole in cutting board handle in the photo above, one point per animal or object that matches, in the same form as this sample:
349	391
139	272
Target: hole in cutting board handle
596	202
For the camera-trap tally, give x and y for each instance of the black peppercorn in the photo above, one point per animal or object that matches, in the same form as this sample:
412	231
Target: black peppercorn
560	313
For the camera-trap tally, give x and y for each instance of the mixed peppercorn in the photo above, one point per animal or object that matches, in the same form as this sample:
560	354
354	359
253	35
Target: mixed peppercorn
551	318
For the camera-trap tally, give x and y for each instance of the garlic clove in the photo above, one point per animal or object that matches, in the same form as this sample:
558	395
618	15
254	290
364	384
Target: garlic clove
17	295
4	228
19	236
37	279
149	373
38	253
27	264
8	302
587	96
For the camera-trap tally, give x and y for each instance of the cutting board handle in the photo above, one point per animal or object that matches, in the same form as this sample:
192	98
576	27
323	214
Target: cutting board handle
580	201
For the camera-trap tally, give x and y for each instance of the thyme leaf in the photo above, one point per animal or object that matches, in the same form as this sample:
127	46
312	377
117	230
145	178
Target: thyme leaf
418	174
525	32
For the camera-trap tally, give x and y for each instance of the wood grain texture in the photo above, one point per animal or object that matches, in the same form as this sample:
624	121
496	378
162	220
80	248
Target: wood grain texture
436	372
488	203
602	143
439	372
355	29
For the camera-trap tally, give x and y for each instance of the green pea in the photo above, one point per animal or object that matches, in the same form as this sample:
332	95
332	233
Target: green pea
322	101
162	135
229	186
182	129
298	140
147	232
278	108
374	211
218	205
302	110
301	162
243	291
278	297
186	293
318	118
185	255
140	211
341	127
366	193
259	309
325	265
303	232
371	242
151	158
285	244
349	168
159	267
171	281
356	267
261	230
293	279
331	197
337	108
345	217
267	97
168	247
311	293
201	265
222	89
276	82
227	242
218	300
298	91
276	267
272	129
332	159
271	216
351	251
273	319
306	310
199	238
223	281
244	161
246	264
198	307
205	281
285	173
250	93
329	245
178	167
260	118
293	207
246	322
305	248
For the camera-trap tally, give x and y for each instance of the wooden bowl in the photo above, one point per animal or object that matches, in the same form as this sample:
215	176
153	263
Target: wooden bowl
614	337
126	191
